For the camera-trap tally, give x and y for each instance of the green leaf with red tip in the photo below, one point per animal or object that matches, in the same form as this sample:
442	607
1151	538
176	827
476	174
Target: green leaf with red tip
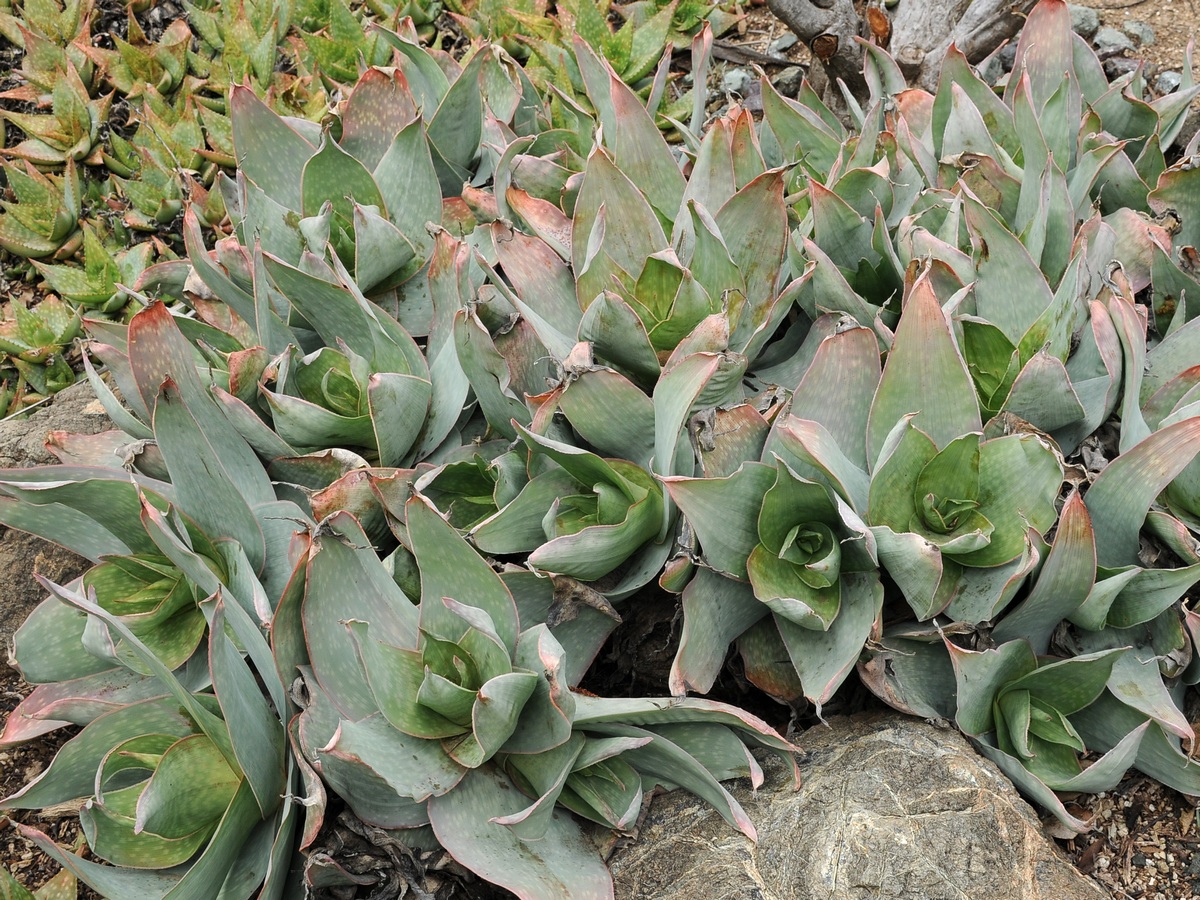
1122	494
378	107
268	150
925	375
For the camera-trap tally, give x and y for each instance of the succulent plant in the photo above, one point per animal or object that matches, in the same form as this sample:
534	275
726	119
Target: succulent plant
36	341
95	284
62	886
239	39
916	399
335	40
42	219
136	64
480	715
70	131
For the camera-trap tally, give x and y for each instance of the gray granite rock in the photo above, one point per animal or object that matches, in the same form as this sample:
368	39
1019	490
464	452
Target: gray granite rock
783	43
890	807
1168	81
23	440
1084	20
1141	33
23	443
789	81
1110	41
736	81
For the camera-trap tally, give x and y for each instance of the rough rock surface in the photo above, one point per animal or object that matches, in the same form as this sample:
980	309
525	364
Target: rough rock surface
891	807
22	443
1084	21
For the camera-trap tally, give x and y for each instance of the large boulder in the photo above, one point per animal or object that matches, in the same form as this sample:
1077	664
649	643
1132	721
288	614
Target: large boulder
23	443
890	807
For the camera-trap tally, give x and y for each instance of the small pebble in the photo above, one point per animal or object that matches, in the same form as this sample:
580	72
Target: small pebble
1111	41
1119	65
992	71
736	81
783	43
789	81
1167	82
1085	21
1140	32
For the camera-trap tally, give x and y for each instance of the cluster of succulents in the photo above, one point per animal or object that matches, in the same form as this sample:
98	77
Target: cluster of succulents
77	168
476	365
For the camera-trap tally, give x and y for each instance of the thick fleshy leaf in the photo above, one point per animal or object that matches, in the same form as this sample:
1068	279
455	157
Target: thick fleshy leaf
716	611
824	659
812	452
637	145
269	151
46	646
345	581
1010	292
450	568
395	675
614	228
411	766
255	731
378	107
1069	685
488	373
702	379
209	493
1062	585
545	720
914	676
1138	683
539	276
619	337
1103	724
925	375
928	581
1043	395
191	786
1019	478
494	718
1121	495
611	414
407	182
981	675
562	864
838	387
664	762
72	773
724	512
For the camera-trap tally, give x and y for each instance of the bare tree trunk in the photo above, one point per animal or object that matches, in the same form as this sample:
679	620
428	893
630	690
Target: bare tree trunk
915	32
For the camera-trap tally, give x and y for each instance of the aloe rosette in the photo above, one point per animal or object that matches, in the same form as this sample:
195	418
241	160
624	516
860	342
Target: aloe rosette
583	516
138	650
450	715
